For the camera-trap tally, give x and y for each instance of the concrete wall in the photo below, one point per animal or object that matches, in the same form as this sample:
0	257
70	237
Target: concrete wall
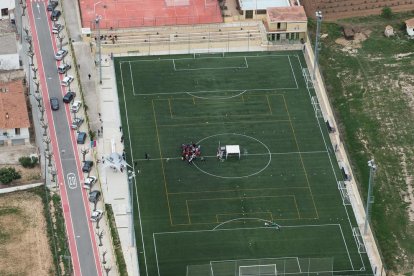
7	136
9	61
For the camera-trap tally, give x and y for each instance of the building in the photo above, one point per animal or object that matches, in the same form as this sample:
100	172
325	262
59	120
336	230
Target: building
286	24
9	56
14	119
257	9
7	9
410	26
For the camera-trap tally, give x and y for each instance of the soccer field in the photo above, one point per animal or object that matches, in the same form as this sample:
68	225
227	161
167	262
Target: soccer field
280	208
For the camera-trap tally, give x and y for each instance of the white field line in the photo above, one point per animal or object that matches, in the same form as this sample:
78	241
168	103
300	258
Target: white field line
346	247
293	72
132	79
175	69
214	91
221	57
156	254
135	181
249	154
247	64
332	166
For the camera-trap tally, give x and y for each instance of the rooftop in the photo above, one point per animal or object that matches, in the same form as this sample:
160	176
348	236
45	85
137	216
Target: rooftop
262	4
287	14
8	43
13	109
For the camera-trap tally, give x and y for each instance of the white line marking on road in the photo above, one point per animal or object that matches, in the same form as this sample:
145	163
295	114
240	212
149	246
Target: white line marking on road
72	183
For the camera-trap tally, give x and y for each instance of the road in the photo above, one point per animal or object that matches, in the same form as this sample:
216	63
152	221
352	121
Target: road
82	243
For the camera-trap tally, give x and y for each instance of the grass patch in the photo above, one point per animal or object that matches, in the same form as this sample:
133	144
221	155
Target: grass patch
122	269
375	115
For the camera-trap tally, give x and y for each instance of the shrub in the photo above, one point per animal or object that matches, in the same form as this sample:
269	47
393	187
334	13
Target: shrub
8	174
386	12
28	162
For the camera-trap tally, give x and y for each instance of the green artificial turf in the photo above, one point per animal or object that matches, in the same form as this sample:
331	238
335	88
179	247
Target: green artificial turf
279	201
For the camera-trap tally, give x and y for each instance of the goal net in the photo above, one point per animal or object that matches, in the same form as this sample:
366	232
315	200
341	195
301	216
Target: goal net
287	266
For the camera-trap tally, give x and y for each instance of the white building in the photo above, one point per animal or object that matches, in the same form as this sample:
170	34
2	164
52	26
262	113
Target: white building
256	9
14	119
410	26
7	9
9	56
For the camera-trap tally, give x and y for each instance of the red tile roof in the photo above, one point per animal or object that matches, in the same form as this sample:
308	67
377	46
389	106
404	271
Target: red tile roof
287	14
13	109
410	22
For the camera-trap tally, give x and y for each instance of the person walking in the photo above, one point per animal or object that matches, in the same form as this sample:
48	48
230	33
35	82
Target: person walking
89	76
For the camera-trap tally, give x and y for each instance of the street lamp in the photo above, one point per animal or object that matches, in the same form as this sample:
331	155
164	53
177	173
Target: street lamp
97	21
318	31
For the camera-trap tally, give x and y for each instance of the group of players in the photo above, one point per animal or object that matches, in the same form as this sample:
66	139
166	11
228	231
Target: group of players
189	152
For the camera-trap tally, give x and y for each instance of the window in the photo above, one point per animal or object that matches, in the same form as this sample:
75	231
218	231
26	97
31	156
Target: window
17	131
278	26
260	11
4	12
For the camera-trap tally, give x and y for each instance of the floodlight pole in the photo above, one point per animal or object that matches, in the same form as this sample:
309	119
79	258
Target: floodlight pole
318	32
97	21
372	169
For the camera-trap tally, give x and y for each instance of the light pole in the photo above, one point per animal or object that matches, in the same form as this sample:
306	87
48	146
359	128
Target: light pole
318	31
131	176
372	168
97	21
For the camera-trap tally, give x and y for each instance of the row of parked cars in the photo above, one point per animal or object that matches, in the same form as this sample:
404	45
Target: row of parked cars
69	98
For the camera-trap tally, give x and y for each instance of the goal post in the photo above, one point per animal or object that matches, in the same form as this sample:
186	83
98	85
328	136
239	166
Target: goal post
258	270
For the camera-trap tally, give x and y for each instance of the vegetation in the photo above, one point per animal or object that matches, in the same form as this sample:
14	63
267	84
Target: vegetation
367	88
28	162
8	174
122	269
386	13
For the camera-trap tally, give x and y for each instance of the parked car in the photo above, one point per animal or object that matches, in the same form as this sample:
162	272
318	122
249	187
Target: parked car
96	215
87	166
76	106
76	123
54	16
94	196
61	54
69	96
54	103
81	138
52	5
63	68
67	80
57	28
89	181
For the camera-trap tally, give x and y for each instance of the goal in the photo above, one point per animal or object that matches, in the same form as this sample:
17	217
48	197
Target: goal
258	270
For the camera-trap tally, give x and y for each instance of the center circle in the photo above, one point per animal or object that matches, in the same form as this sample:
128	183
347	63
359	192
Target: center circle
238	137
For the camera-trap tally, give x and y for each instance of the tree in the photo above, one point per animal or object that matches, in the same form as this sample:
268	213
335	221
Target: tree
8	174
28	162
386	12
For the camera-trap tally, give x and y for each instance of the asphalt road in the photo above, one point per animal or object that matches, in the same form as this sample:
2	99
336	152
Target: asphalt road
71	168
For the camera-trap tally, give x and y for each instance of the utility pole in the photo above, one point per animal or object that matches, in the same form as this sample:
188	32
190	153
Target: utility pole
318	32
370	198
98	39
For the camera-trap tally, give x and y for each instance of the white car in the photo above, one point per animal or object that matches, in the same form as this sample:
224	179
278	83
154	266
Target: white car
89	181
96	215
76	106
67	80
61	54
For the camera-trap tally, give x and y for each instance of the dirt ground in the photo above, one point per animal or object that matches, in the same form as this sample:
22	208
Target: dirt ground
28	175
24	248
338	9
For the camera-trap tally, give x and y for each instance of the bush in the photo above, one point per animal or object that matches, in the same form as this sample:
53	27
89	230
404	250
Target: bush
28	162
7	175
386	12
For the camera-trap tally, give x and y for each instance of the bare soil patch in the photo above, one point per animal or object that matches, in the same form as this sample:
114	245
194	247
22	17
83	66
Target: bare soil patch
24	247
338	9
